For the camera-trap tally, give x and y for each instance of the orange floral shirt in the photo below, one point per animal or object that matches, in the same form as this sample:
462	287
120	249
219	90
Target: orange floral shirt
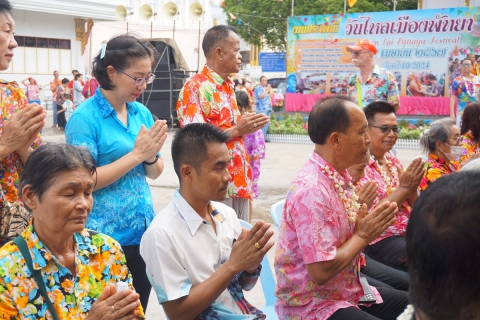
208	98
469	147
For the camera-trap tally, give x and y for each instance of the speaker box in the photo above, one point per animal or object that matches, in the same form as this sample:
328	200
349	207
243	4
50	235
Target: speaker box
161	96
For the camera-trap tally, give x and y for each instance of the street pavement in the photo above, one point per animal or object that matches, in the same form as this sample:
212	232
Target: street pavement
278	169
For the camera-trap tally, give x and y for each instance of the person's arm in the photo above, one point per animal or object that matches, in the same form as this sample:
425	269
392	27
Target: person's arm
408	184
367	228
77	86
147	142
25	83
393	92
155	170
453	100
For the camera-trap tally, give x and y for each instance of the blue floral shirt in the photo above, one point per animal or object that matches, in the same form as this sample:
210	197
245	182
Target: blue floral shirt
264	104
124	209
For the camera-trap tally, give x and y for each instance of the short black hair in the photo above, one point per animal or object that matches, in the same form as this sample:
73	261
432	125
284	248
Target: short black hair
74	71
328	115
443	248
214	36
466	59
470	122
432	77
51	159
65	81
121	51
242	99
190	144
378	107
5	7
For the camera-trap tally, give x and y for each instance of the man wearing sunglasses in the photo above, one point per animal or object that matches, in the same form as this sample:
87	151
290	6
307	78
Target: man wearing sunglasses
463	90
371	83
394	184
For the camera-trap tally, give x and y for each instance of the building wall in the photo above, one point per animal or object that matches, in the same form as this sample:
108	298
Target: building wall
45	25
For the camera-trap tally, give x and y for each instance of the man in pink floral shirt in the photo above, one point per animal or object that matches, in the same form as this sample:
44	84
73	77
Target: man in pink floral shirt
317	260
394	184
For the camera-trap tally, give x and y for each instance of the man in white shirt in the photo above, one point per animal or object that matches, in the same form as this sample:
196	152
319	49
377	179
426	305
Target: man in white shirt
199	259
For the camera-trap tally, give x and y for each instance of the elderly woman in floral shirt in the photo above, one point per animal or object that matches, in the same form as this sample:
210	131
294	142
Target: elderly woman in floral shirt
20	122
441	143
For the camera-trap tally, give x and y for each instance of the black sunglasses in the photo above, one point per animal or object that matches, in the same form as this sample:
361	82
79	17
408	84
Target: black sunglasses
386	129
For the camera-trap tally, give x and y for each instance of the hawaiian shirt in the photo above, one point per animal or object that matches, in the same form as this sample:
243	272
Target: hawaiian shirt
11	167
208	98
122	210
373	173
53	87
181	250
264	104
255	144
99	262
469	147
314	225
465	90
435	168
381	86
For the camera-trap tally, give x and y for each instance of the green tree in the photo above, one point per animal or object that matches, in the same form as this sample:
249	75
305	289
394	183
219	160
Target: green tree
266	20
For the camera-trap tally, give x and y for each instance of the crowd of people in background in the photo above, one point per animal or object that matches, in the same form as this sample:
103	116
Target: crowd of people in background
80	238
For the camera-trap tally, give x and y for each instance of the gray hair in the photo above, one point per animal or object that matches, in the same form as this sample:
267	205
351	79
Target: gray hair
439	131
473	165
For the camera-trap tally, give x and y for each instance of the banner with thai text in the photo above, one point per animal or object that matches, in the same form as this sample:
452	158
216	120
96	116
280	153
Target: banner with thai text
422	48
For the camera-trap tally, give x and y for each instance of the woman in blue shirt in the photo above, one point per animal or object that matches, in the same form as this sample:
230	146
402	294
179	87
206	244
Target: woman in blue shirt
125	142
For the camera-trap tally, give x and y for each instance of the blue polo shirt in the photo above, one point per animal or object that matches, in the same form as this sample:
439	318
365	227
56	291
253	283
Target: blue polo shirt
124	209
264	104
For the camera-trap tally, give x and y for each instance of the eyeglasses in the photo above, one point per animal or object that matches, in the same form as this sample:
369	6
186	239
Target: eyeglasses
139	81
357	53
386	129
467	65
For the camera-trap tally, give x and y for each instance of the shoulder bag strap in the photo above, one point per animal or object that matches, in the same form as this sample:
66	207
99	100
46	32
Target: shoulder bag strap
22	246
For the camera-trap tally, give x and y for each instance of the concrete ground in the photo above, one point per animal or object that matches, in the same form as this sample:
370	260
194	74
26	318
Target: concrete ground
278	170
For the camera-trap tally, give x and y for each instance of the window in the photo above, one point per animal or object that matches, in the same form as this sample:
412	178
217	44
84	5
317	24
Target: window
42	42
30	42
20	41
53	43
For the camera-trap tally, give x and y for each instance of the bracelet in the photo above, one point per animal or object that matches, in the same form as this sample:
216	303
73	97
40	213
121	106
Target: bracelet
151	163
253	275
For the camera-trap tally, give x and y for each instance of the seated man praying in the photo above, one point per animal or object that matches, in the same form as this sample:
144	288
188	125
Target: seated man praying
198	257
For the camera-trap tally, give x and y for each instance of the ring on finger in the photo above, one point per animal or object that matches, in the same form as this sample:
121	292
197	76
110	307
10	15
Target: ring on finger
255	125
113	308
257	245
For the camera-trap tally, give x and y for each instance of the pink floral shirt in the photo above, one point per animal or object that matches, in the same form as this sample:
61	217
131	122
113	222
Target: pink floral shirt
314	225
372	173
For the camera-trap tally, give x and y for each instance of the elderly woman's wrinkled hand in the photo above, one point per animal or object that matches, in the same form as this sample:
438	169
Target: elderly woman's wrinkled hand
114	305
149	142
22	128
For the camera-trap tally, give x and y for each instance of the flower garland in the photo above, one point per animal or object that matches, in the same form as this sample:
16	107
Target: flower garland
393	179
349	203
469	87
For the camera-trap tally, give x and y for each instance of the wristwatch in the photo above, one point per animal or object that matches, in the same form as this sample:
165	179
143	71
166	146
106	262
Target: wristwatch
254	275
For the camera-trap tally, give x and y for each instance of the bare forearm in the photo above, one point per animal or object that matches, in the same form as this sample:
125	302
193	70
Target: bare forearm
399	196
323	271
452	105
155	170
412	197
202	295
24	154
110	173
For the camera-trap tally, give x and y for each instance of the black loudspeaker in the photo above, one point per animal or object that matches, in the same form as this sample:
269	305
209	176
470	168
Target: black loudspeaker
161	96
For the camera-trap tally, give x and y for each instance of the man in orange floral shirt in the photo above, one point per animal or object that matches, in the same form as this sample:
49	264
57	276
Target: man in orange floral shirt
209	97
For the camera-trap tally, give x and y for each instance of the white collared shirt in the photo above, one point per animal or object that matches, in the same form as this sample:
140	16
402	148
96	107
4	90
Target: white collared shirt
181	250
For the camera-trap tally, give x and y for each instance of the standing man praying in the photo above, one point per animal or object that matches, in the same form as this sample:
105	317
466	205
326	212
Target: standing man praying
209	97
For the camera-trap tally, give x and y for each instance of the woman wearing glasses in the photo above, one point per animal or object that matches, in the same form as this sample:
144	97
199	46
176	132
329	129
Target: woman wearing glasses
125	142
394	184
441	143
